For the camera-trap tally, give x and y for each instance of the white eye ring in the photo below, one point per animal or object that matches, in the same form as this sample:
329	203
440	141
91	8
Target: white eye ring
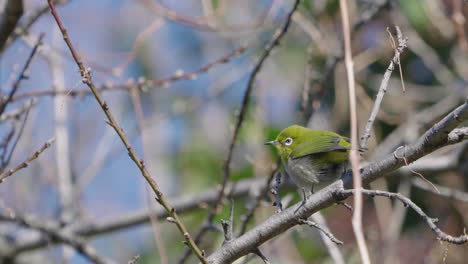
288	141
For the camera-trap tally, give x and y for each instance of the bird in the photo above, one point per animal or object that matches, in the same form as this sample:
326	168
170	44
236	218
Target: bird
312	157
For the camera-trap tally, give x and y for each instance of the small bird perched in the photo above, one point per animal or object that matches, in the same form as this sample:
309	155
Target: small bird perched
312	157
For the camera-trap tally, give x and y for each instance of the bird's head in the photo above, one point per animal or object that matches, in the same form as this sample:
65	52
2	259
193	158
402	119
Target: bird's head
288	139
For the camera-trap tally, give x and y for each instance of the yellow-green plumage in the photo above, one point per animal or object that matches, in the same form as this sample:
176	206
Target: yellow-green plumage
312	157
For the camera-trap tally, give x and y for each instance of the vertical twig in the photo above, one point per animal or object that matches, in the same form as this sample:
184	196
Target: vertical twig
137	107
354	156
401	40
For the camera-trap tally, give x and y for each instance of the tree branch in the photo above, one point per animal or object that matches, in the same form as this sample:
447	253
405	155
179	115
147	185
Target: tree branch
433	139
9	18
160	198
25	163
57	234
407	202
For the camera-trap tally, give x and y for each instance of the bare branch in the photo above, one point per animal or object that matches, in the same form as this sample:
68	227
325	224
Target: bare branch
321	229
226	170
55	233
185	204
25	163
402	43
22	75
86	79
141	84
444	191
433	139
251	211
9	18
332	247
16	113
353	154
407	202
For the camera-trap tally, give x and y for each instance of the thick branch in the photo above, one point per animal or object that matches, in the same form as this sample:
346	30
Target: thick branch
434	138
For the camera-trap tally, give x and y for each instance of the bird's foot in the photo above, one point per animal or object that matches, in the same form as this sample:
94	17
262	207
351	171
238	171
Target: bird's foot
304	200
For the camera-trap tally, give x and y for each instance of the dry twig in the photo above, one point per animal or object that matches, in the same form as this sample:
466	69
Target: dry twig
86	79
402	43
25	163
407	202
55	233
353	155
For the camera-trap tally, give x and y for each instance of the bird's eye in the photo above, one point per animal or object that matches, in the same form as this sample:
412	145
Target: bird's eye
288	141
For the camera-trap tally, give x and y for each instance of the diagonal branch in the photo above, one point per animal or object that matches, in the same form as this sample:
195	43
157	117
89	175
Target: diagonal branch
25	163
408	203
226	170
22	75
86	79
401	40
55	233
433	139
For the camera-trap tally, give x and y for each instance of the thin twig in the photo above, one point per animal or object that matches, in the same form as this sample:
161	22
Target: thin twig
141	85
251	211
6	160
402	43
16	113
138	110
434	138
185	204
321	229
261	256
413	171
407	202
443	191
25	163
366	15
22	75
55	233
332	247
160	198
226	169
353	155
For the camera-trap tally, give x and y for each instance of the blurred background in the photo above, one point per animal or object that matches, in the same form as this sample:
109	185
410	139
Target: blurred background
174	74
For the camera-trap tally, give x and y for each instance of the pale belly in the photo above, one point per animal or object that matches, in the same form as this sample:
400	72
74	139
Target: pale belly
305	173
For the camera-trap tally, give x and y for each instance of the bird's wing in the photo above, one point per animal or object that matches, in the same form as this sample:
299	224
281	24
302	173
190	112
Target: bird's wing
318	144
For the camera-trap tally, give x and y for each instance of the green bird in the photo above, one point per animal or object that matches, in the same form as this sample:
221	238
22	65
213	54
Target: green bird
312	157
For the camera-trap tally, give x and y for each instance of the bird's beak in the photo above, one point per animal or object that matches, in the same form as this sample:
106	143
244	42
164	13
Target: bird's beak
273	142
